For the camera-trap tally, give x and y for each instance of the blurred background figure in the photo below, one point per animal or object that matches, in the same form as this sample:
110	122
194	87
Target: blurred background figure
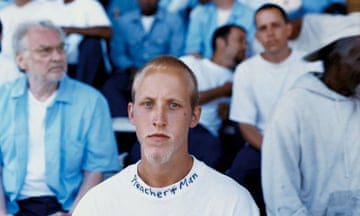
139	36
206	18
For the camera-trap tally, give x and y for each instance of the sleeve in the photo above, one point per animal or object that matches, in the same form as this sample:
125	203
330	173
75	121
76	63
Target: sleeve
281	175
243	106
118	48
97	15
194	43
101	148
177	37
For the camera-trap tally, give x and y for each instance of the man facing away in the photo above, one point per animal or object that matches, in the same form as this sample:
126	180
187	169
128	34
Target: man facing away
167	180
56	136
311	157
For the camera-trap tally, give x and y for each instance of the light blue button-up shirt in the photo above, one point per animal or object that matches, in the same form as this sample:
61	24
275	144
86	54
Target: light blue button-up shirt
203	23
78	137
131	46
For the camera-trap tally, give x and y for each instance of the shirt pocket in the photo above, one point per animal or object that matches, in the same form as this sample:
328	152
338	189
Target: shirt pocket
73	155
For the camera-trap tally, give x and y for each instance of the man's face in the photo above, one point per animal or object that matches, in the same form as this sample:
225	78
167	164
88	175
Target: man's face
44	59
235	46
148	7
162	114
349	65
271	30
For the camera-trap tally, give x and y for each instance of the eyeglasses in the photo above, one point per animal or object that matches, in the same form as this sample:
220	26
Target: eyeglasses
45	51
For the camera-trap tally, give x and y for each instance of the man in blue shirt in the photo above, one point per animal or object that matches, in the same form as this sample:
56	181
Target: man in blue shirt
140	36
56	138
206	18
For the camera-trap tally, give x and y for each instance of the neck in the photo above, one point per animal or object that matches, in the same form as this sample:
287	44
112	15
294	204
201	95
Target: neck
44	91
21	3
224	61
277	57
224	4
162	175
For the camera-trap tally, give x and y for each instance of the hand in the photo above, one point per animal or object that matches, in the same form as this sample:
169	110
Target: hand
223	111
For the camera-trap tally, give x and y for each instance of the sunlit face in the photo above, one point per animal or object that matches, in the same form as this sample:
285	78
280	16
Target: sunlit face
162	114
44	59
235	46
272	31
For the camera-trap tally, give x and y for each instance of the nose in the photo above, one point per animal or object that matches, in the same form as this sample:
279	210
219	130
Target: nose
159	117
57	54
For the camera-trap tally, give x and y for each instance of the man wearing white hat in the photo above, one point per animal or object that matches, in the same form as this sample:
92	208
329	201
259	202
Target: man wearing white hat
311	147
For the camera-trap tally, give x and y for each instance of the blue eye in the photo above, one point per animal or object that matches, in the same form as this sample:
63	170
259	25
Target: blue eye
174	105
148	104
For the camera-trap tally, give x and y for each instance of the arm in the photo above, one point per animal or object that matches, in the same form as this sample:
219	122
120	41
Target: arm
90	180
280	163
211	94
98	31
251	135
3	211
193	43
177	40
118	49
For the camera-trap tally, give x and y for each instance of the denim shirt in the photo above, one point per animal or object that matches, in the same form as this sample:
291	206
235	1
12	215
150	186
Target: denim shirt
131	46
78	137
203	24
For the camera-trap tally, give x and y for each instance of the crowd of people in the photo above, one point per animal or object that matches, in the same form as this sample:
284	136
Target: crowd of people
240	107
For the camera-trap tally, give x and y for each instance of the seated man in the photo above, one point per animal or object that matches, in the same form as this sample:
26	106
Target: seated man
139	36
206	18
167	180
56	137
215	76
87	27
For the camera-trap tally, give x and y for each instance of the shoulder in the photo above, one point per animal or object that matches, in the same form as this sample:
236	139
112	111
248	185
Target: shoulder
77	91
203	10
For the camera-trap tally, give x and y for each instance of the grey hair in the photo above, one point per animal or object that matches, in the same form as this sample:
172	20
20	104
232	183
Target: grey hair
18	43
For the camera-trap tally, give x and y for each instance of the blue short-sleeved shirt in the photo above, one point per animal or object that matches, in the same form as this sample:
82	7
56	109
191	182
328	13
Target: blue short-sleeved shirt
78	137
203	23
132	47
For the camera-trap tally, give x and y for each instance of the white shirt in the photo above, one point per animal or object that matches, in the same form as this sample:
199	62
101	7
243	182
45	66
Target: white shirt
12	15
258	84
203	191
79	13
35	179
209	75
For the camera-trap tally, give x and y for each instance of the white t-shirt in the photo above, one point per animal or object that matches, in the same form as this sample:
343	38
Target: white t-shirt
147	22
209	75
258	84
203	192
79	13
35	181
223	16
12	15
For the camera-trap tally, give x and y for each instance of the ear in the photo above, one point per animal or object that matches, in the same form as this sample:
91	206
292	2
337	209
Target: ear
289	30
21	61
131	113
257	35
195	116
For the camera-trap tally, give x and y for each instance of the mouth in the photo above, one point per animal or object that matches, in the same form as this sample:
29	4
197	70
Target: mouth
159	136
